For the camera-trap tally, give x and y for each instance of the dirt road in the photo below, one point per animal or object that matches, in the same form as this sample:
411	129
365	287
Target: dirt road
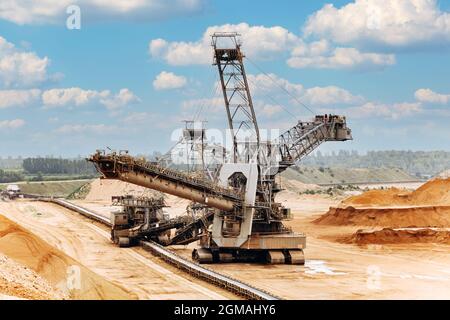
135	270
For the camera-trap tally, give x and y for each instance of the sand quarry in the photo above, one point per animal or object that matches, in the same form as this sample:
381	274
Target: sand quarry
422	215
380	244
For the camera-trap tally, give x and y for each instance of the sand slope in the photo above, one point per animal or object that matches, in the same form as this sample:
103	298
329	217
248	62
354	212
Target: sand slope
19	282
103	190
428	206
430	216
434	192
398	236
58	269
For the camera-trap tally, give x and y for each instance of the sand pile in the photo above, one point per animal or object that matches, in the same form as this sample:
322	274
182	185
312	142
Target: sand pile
292	185
399	236
428	206
434	192
63	273
21	282
431	216
103	190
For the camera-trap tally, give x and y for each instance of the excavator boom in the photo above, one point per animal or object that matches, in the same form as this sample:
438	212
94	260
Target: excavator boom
299	141
133	170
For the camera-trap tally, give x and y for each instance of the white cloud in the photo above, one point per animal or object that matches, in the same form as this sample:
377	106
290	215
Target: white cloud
168	80
158	47
268	110
271	85
20	68
331	95
427	95
11	124
322	55
265	87
49	11
78	97
122	99
387	23
15	98
380	110
259	42
71	96
86	128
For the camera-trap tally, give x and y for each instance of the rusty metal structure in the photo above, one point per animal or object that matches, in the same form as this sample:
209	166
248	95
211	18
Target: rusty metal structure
247	222
143	218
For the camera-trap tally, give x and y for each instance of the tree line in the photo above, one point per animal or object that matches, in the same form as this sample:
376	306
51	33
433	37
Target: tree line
58	166
10	176
413	162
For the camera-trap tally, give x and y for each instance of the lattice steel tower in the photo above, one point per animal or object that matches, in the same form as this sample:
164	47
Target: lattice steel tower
236	93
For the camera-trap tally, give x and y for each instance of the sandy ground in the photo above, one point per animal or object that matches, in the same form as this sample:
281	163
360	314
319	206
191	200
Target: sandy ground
133	269
70	278
335	270
20	282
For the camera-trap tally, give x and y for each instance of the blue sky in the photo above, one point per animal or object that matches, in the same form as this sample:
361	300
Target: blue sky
136	69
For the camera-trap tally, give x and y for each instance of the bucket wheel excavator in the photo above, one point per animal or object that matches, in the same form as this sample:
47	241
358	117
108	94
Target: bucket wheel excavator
244	222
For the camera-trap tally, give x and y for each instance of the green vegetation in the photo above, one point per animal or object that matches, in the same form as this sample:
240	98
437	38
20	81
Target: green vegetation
417	163
332	191
11	163
80	193
53	166
346	175
10	176
45	169
50	188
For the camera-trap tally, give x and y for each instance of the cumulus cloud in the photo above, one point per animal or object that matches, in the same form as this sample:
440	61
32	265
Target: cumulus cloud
70	96
40	12
268	110
320	54
389	111
122	99
271	85
260	42
21	68
331	95
427	95
283	95
385	23
168	80
77	97
11	124
18	98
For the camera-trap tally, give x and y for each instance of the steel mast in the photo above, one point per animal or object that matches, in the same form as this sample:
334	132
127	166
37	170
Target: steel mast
236	93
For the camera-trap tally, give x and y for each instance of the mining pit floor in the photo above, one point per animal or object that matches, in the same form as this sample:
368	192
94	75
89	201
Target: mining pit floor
333	269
